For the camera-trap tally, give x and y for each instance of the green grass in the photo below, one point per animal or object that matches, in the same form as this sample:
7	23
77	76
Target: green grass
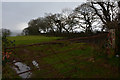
23	40
9	72
73	58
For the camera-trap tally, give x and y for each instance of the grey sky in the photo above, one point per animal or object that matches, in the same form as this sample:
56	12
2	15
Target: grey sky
16	15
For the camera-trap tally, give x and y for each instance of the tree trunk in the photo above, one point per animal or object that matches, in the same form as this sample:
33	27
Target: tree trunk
117	40
117	50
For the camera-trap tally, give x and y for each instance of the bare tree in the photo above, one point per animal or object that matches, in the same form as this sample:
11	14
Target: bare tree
57	21
86	16
106	12
68	20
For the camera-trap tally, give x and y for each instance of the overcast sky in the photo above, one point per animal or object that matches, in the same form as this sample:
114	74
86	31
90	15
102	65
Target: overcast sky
16	15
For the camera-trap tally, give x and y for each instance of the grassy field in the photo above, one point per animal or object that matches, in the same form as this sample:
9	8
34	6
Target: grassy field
65	60
24	40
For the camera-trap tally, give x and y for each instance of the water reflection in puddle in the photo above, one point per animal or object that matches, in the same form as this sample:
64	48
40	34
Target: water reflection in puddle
20	67
35	64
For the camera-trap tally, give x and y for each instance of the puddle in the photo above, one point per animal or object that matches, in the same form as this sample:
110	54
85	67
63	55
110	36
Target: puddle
20	67
117	55
35	64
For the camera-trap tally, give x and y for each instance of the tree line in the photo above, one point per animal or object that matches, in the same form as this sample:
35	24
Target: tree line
85	17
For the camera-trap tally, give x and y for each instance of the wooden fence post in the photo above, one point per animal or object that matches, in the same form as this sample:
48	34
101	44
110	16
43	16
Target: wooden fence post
112	36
